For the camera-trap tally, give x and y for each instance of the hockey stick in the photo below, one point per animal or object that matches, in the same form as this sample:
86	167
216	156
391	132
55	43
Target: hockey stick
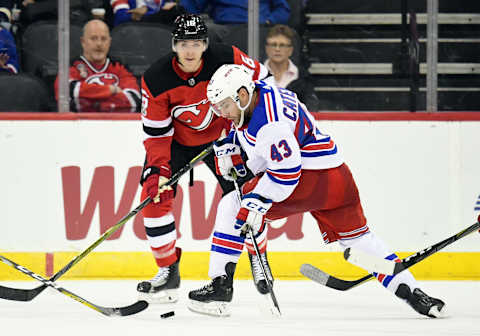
262	266
328	280
257	251
17	294
391	267
108	311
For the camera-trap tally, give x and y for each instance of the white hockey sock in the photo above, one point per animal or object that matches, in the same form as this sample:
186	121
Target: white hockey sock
370	243
227	244
218	261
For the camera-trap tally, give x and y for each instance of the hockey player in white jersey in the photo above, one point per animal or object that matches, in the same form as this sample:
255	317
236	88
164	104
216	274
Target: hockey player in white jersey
298	169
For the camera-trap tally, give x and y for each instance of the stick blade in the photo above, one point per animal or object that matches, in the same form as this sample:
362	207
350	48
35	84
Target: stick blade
17	294
369	262
314	274
328	280
135	308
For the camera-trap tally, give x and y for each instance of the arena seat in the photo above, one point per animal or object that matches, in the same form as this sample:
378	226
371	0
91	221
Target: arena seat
39	51
356	53
23	93
138	45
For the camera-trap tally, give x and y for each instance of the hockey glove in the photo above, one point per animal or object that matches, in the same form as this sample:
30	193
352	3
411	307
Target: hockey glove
155	184
252	213
228	157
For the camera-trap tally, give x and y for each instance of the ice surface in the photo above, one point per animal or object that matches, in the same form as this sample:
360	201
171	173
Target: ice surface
308	309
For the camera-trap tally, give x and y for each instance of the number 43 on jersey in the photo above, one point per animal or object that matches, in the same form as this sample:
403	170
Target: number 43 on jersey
280	151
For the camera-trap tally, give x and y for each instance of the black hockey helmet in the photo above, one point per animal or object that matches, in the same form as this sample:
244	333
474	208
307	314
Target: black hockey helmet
189	27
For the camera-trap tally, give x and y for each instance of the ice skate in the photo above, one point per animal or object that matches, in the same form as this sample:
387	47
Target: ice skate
214	298
163	287
421	302
257	273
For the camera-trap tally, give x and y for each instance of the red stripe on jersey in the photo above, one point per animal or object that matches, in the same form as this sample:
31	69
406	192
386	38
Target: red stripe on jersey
285	176
249	137
329	145
269	107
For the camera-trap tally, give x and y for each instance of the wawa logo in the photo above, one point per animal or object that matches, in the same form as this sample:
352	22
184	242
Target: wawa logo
101	194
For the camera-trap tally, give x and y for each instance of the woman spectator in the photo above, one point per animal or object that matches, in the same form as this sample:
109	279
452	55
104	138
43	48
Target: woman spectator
279	48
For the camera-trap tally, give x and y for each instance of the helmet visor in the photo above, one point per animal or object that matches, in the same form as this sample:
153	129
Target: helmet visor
224	107
184	45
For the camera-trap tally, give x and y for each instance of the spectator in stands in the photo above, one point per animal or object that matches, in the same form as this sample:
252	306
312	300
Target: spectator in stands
160	11
6	13
236	11
8	49
8	52
97	83
279	48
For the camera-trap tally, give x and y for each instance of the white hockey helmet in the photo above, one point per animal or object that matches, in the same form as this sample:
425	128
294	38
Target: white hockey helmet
226	82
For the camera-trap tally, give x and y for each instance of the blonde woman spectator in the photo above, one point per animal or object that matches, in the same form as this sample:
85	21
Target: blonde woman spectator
279	48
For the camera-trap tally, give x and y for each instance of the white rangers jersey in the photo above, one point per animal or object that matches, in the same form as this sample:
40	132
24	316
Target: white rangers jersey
281	139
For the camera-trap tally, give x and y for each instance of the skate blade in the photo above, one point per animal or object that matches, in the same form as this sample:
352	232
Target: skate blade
435	313
267	307
218	309
164	296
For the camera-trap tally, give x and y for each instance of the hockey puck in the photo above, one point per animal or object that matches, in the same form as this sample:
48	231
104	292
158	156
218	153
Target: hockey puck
167	315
